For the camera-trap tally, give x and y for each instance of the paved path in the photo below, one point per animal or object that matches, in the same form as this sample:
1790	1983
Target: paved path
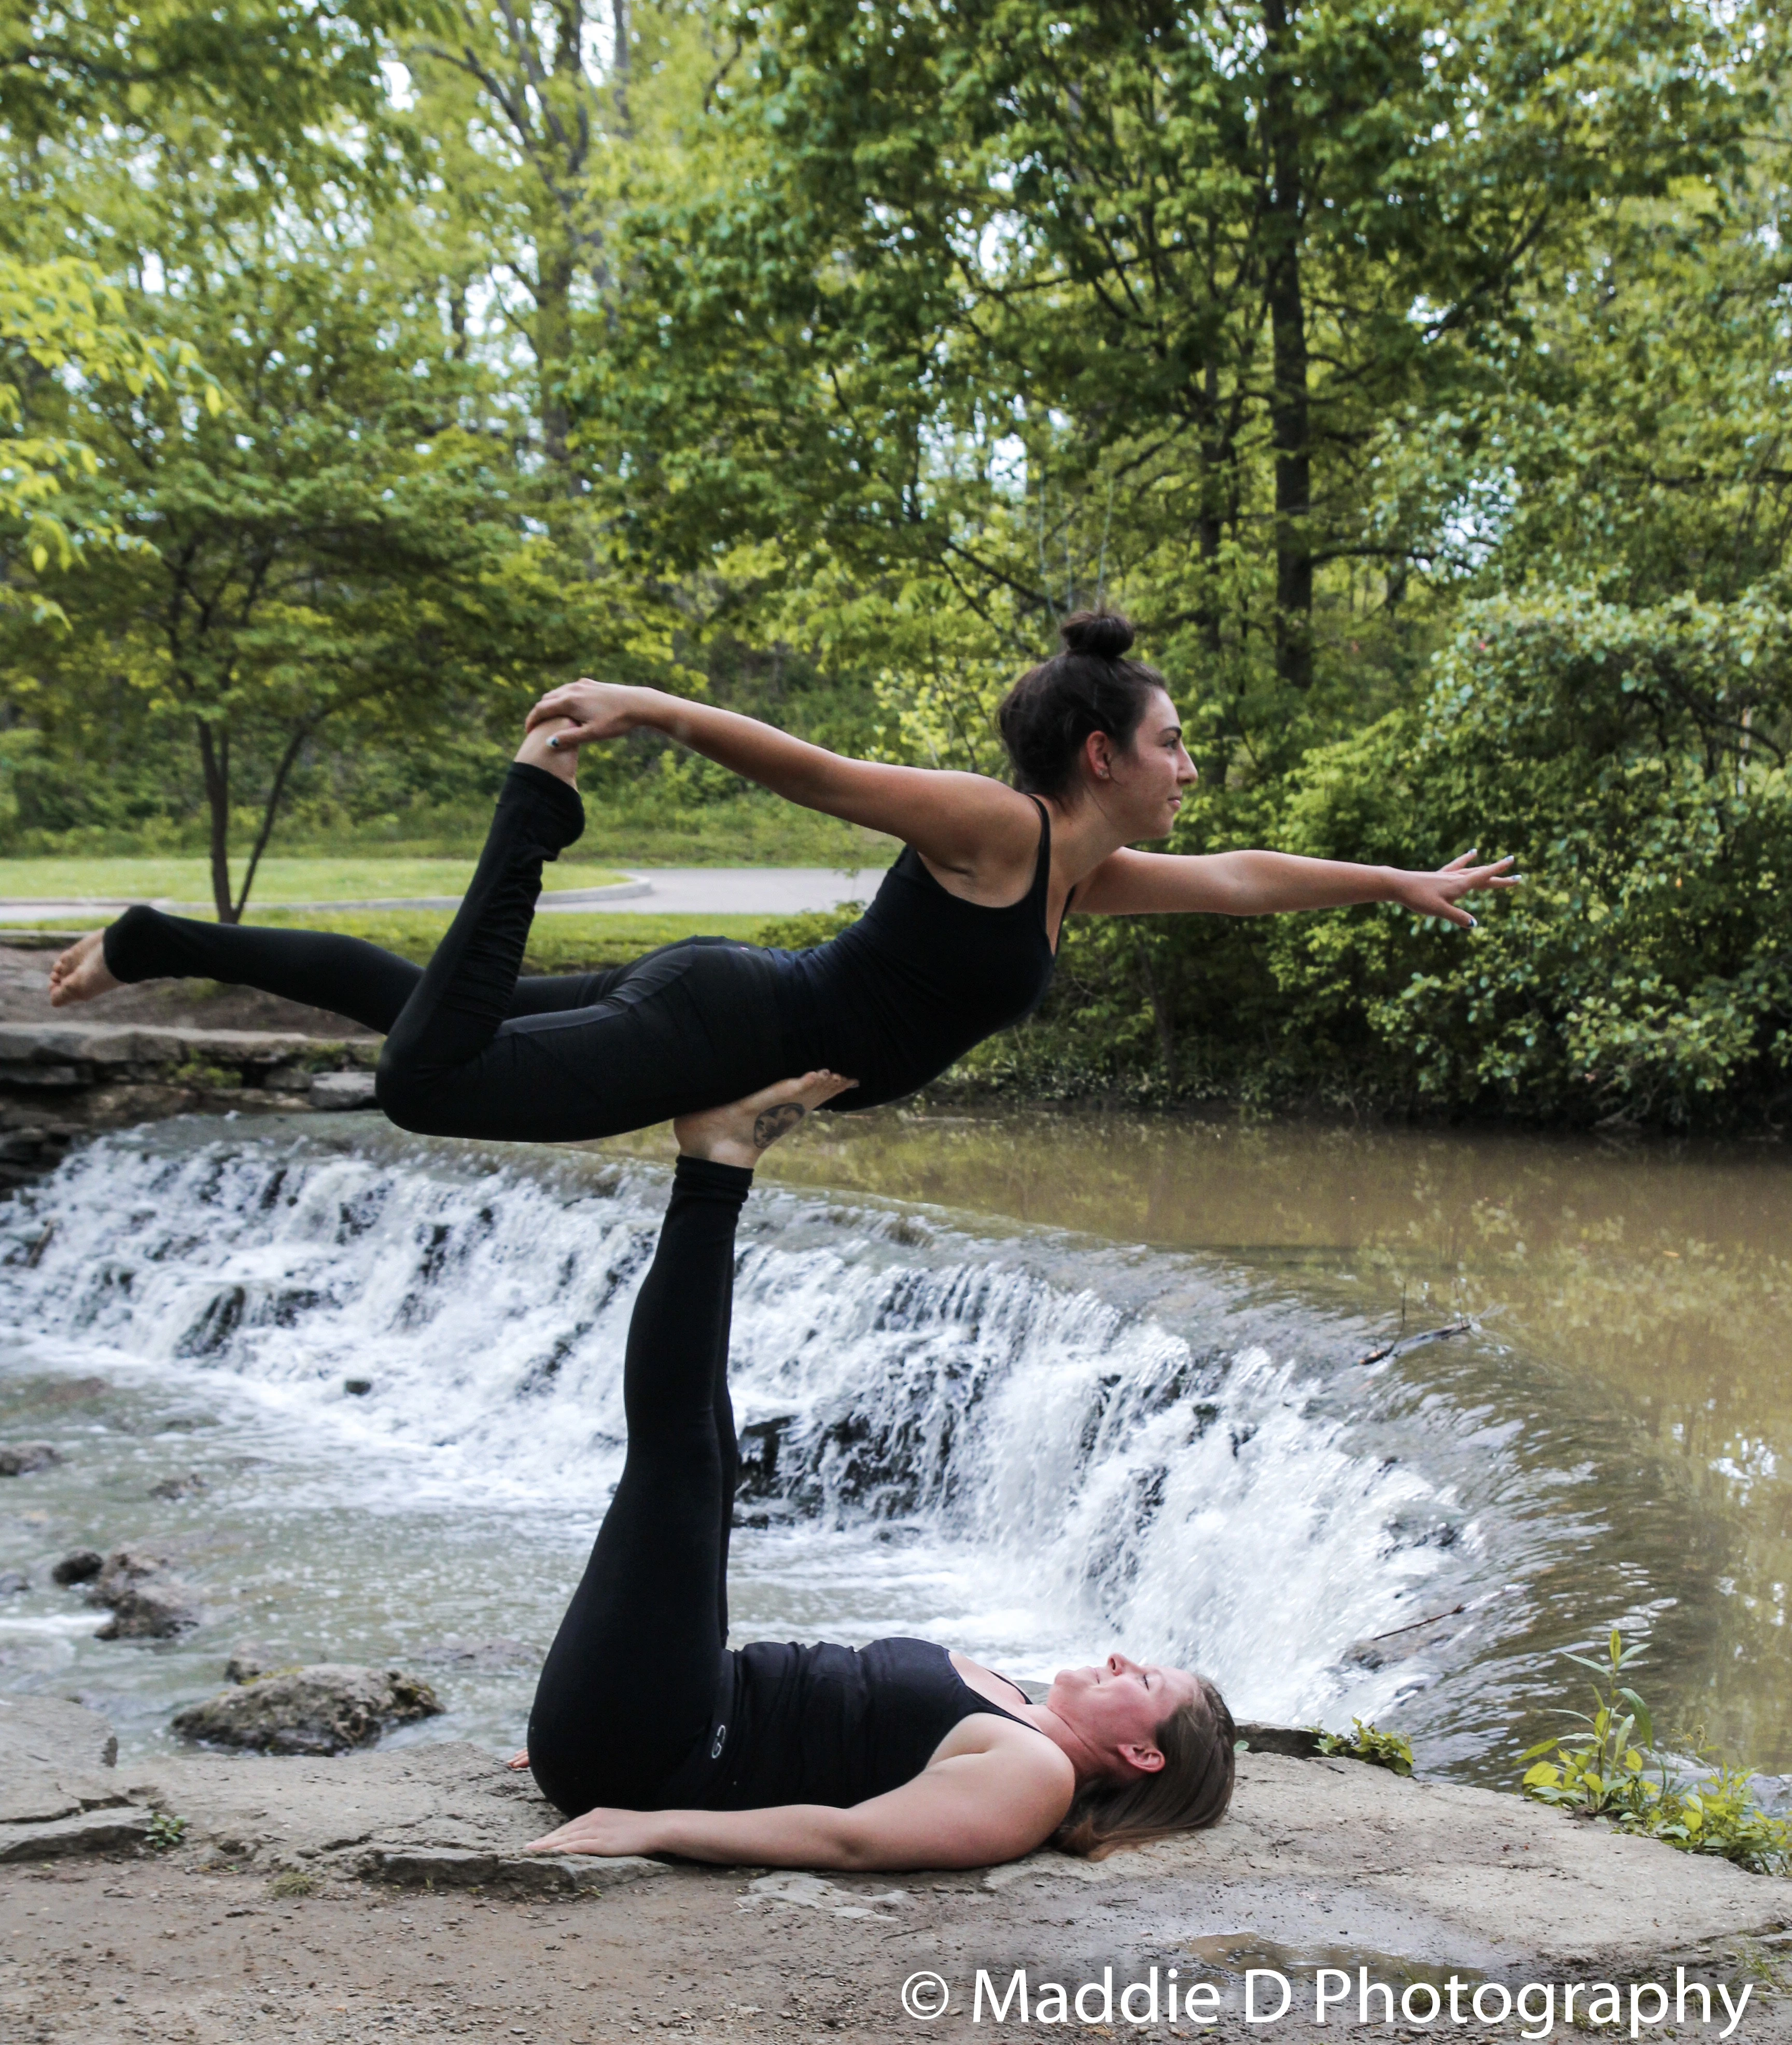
660	891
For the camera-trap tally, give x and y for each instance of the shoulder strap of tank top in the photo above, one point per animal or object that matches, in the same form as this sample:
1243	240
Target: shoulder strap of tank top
1042	879
1042	866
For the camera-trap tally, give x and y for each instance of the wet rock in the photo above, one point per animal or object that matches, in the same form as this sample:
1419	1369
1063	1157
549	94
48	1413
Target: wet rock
151	1611
80	1565
759	1445
337	1091
148	1602
77	1392
13	1581
1300	1741
26	1458
173	1487
329	1707
499	1654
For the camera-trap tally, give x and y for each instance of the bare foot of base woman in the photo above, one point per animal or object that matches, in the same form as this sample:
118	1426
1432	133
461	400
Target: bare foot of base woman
742	1132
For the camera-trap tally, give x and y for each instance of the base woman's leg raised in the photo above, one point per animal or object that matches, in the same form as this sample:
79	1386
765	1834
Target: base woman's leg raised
629	1684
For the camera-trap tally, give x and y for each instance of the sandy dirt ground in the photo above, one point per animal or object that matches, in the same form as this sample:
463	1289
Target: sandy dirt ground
132	1949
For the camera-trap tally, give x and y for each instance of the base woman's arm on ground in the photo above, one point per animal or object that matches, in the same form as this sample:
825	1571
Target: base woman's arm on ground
999	1799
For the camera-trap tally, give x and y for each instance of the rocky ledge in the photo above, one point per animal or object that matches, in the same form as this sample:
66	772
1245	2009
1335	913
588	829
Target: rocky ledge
1318	1857
58	1081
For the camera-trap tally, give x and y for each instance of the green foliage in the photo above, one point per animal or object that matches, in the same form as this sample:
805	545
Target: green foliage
1609	1777
1392	1750
165	1831
1414	373
61	318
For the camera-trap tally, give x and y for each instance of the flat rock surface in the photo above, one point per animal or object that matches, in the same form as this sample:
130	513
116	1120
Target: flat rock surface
85	1036
412	1923
25	997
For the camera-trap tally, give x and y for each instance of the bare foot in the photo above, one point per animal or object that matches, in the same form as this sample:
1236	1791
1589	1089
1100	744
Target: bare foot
80	973
741	1133
536	749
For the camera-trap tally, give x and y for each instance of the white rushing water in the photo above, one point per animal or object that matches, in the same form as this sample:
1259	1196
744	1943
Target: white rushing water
1033	1446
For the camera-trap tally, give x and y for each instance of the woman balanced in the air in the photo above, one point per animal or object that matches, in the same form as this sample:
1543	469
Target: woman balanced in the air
958	944
653	1736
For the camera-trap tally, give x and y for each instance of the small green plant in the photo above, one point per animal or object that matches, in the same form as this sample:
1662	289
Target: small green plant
1368	1743
214	1079
166	1831
293	1881
1611	1777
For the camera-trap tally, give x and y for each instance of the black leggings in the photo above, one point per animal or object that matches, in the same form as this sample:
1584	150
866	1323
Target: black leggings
473	1050
630	1683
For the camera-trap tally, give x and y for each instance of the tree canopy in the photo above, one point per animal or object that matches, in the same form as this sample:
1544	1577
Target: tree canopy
1414	373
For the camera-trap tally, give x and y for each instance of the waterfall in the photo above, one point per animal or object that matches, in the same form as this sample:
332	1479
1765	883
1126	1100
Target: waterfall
1058	1445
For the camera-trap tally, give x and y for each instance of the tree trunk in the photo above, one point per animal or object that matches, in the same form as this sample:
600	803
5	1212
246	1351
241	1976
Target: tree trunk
1208	526
270	810
214	762
1288	385
1160	1015
553	351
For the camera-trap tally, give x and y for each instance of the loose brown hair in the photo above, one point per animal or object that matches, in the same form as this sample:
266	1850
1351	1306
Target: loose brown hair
1189	1791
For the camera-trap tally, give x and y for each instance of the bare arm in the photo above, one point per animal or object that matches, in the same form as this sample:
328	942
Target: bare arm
965	822
969	1810
1264	883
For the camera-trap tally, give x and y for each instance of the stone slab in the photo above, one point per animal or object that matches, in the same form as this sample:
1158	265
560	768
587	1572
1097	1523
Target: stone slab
1332	1852
88	1832
55	1760
542	1874
145	1044
1318	1857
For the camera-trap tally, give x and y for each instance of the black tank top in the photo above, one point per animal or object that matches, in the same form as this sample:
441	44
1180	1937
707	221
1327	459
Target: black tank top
919	979
822	1725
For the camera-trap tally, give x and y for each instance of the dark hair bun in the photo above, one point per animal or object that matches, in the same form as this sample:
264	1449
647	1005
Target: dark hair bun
1104	635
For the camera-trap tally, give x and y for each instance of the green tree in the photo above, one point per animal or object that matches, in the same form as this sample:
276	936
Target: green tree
342	540
58	319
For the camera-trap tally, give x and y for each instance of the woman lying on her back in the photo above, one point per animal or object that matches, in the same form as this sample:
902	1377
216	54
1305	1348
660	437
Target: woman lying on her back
959	943
654	1737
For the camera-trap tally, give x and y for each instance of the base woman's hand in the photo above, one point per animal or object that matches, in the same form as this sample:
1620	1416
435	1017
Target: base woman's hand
600	710
1437	894
601	1832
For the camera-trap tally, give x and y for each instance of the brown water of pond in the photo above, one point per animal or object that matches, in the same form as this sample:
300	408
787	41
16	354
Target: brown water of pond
1631	1306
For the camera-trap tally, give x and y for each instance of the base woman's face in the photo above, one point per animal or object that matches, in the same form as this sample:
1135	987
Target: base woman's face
1121	1702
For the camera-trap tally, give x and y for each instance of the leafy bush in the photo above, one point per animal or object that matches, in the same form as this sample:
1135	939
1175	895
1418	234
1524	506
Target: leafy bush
1713	1812
1392	1750
1630	758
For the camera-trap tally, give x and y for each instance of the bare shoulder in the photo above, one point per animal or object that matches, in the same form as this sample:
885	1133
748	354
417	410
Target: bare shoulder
1023	1751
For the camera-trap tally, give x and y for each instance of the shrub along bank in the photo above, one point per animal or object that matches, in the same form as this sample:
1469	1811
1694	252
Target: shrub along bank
1642	973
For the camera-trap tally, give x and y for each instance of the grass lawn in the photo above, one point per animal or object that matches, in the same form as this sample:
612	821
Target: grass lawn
570	943
368	878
